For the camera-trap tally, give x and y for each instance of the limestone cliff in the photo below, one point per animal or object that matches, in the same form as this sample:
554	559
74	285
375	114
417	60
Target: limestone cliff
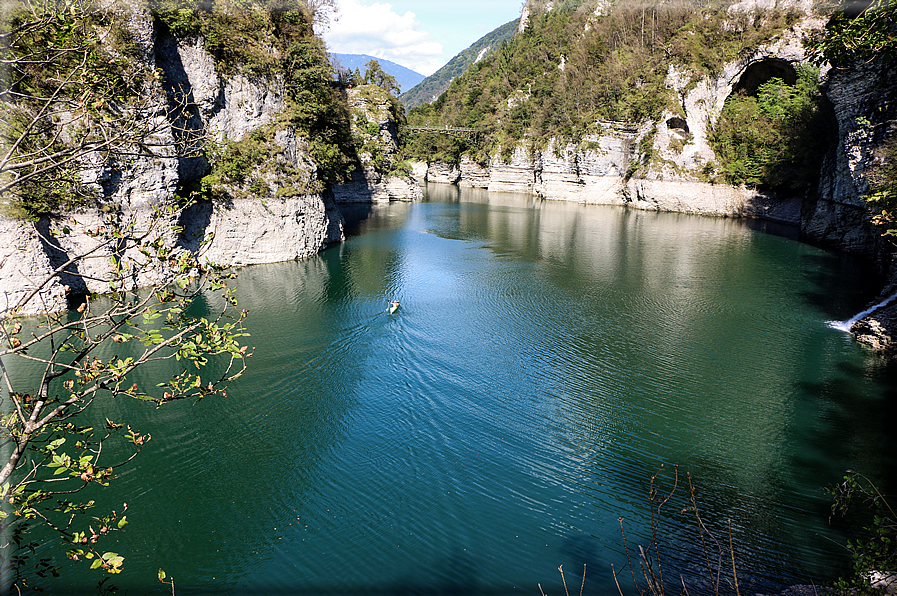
276	211
374	129
864	96
612	167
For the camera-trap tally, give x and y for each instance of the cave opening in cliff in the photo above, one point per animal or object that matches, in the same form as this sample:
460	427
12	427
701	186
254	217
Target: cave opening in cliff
774	129
760	72
678	124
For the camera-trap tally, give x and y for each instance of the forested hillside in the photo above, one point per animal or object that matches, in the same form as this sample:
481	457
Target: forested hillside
433	86
586	61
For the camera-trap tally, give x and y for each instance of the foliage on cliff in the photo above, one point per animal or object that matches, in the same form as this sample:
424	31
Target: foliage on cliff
377	119
575	65
777	137
275	39
883	186
70	89
857	34
74	91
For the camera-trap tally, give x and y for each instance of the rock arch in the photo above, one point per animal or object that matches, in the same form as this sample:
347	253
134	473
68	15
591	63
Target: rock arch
758	73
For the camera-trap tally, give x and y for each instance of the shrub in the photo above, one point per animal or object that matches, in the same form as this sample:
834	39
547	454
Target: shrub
876	550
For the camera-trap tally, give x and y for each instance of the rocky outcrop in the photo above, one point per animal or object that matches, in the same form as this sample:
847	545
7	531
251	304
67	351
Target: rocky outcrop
374	128
248	231
473	174
444	173
864	98
24	267
680	148
590	172
719	200
517	174
281	221
594	172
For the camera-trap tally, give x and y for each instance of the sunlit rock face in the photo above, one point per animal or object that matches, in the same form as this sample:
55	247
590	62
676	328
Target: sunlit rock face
473	174
289	222
374	180
443	173
863	98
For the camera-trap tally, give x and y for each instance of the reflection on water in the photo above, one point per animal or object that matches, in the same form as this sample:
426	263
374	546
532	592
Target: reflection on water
547	359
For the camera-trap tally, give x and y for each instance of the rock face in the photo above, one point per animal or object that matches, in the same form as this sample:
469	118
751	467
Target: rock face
864	97
24	265
374	127
247	231
289	224
444	173
863	100
595	172
472	174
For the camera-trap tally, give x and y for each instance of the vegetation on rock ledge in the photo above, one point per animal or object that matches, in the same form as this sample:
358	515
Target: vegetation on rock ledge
573	66
776	138
275	41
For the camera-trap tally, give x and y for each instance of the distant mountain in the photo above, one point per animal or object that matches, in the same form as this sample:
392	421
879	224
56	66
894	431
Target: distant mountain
406	77
433	86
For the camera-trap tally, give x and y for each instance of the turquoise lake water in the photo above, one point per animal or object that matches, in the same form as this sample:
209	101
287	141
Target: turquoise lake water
546	360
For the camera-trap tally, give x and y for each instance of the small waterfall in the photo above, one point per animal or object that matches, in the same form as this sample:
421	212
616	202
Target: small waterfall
846	325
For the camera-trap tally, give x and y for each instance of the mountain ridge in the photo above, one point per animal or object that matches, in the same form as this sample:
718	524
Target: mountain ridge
432	86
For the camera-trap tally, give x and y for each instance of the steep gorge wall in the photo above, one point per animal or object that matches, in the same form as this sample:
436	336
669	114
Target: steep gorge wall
284	223
864	100
864	97
607	168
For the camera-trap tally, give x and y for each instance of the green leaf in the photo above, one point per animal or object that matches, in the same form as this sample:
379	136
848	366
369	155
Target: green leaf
161	575
123	522
96	563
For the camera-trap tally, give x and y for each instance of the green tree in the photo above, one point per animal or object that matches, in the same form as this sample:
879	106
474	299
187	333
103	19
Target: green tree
776	138
375	75
72	97
853	34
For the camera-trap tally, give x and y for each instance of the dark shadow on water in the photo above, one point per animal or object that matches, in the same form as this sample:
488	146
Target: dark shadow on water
837	284
865	422
774	228
355	214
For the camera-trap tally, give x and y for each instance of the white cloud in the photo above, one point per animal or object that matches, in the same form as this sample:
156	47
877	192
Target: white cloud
379	31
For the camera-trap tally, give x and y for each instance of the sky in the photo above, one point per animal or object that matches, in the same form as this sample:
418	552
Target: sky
418	34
